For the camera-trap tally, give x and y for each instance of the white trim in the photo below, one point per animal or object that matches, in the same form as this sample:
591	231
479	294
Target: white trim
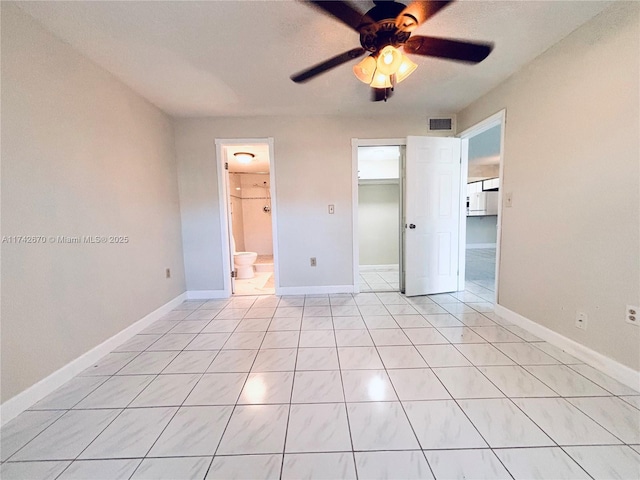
354	215
224	210
316	290
614	369
206	294
224	219
393	267
274	216
498	118
27	398
484	125
379	181
462	213
471	246
355	143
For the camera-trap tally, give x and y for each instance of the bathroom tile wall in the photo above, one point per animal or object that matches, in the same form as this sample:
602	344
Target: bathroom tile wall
257	223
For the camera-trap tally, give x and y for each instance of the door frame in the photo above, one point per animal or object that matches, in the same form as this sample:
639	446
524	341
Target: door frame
374	142
498	118
223	200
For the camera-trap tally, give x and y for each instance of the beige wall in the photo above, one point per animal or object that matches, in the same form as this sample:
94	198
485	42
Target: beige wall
379	224
313	169
81	155
571	240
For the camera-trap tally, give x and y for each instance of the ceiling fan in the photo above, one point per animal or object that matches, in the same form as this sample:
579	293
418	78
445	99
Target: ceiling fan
384	29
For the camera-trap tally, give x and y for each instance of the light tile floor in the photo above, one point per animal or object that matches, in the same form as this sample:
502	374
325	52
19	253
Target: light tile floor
481	267
263	281
336	386
379	279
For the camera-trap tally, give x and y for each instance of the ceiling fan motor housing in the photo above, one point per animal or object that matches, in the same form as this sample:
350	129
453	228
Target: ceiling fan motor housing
384	31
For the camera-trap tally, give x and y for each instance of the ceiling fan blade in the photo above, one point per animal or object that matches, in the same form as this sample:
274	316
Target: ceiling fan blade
417	12
343	12
460	50
333	62
381	94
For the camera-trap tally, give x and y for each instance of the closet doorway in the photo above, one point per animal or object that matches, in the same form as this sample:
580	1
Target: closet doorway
379	218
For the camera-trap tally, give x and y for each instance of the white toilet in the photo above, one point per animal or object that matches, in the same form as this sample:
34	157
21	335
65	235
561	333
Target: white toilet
243	262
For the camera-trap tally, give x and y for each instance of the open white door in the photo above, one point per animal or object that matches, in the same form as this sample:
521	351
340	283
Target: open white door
432	210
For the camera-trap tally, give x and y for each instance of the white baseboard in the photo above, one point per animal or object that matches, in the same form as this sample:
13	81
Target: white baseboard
207	294
614	369
471	246
24	400
315	290
379	268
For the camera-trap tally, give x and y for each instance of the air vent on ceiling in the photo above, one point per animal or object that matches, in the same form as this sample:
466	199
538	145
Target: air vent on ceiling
441	124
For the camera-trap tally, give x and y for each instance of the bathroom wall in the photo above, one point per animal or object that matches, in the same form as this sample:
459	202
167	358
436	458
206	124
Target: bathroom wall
257	223
237	217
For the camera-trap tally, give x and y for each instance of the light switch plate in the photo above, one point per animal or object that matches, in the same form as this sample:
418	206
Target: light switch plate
508	199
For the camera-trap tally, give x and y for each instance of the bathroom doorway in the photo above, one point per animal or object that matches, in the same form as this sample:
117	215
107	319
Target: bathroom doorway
249	201
379	217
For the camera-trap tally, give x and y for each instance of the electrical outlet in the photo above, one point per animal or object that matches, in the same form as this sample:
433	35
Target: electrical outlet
167	273
581	320
631	315
313	261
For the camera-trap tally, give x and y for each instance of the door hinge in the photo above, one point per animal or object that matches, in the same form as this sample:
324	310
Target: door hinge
226	165
233	274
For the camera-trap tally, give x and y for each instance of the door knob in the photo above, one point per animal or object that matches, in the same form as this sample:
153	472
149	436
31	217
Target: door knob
412	226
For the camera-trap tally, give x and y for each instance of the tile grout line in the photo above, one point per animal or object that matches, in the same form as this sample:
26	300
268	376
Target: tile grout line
239	393
519	409
344	396
510	400
413	430
170	332
473	424
177	409
293	382
67	410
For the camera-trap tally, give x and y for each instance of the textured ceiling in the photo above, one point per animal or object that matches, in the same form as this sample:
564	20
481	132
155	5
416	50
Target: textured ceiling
221	58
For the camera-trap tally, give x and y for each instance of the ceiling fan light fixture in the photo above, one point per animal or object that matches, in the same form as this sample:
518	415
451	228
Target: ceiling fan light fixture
389	60
381	80
365	70
244	157
407	67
